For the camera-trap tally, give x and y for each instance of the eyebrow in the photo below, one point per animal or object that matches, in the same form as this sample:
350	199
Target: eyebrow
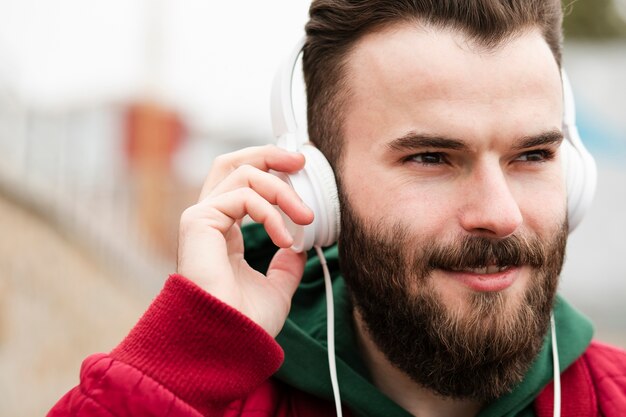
551	137
412	141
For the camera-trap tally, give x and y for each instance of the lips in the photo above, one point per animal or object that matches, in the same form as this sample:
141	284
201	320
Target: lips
485	279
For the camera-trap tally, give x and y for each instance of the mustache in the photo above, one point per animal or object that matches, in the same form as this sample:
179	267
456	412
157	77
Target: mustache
480	252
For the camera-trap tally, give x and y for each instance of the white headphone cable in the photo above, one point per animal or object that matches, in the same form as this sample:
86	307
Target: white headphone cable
557	369
330	330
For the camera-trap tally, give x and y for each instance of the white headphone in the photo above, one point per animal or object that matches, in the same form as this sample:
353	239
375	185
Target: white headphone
316	185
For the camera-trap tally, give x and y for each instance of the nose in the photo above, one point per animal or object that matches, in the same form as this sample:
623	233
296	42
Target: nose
490	208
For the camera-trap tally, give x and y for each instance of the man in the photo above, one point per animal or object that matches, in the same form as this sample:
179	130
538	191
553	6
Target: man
442	121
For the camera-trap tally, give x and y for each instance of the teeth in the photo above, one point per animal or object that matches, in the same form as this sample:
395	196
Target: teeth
491	269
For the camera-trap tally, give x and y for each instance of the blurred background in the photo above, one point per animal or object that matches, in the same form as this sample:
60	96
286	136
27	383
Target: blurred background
110	115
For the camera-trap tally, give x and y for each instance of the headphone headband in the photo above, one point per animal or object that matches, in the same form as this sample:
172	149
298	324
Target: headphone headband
283	114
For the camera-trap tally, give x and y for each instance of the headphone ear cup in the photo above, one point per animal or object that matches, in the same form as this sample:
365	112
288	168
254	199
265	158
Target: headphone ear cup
325	189
316	186
581	177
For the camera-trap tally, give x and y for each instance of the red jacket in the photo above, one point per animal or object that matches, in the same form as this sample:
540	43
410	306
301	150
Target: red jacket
191	355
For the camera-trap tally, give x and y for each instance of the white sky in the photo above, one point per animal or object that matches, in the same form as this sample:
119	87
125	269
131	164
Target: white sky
214	60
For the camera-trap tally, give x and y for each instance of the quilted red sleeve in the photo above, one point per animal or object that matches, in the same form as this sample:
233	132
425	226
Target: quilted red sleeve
607	365
110	388
189	355
594	385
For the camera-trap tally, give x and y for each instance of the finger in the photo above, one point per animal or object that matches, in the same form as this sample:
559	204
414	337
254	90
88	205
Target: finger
261	157
285	272
224	210
269	187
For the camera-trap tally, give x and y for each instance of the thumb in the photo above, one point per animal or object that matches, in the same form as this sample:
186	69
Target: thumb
285	271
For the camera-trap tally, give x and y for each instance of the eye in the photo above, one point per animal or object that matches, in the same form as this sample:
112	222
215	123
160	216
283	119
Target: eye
428	158
536	155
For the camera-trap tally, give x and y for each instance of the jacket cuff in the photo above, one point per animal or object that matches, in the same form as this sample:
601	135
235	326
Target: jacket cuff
201	349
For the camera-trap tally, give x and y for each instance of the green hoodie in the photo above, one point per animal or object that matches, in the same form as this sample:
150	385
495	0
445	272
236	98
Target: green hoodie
303	338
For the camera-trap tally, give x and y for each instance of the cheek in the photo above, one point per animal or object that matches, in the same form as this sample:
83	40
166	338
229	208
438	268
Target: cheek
543	204
425	209
432	207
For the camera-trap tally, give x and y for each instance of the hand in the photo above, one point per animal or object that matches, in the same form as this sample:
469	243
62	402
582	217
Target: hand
210	244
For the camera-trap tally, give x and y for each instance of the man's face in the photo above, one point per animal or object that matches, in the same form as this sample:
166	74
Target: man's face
453	202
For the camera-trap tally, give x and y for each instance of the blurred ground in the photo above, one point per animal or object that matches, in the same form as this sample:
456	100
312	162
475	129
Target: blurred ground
57	305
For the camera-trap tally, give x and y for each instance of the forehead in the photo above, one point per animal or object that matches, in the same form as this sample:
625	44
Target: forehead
409	75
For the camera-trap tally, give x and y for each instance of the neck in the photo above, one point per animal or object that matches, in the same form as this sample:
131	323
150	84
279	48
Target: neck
397	385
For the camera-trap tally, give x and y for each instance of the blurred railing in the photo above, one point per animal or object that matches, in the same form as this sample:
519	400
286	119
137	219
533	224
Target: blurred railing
68	166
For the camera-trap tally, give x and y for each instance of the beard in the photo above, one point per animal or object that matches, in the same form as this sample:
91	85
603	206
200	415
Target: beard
480	352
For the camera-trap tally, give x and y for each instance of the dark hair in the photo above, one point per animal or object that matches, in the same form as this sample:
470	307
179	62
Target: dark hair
336	25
